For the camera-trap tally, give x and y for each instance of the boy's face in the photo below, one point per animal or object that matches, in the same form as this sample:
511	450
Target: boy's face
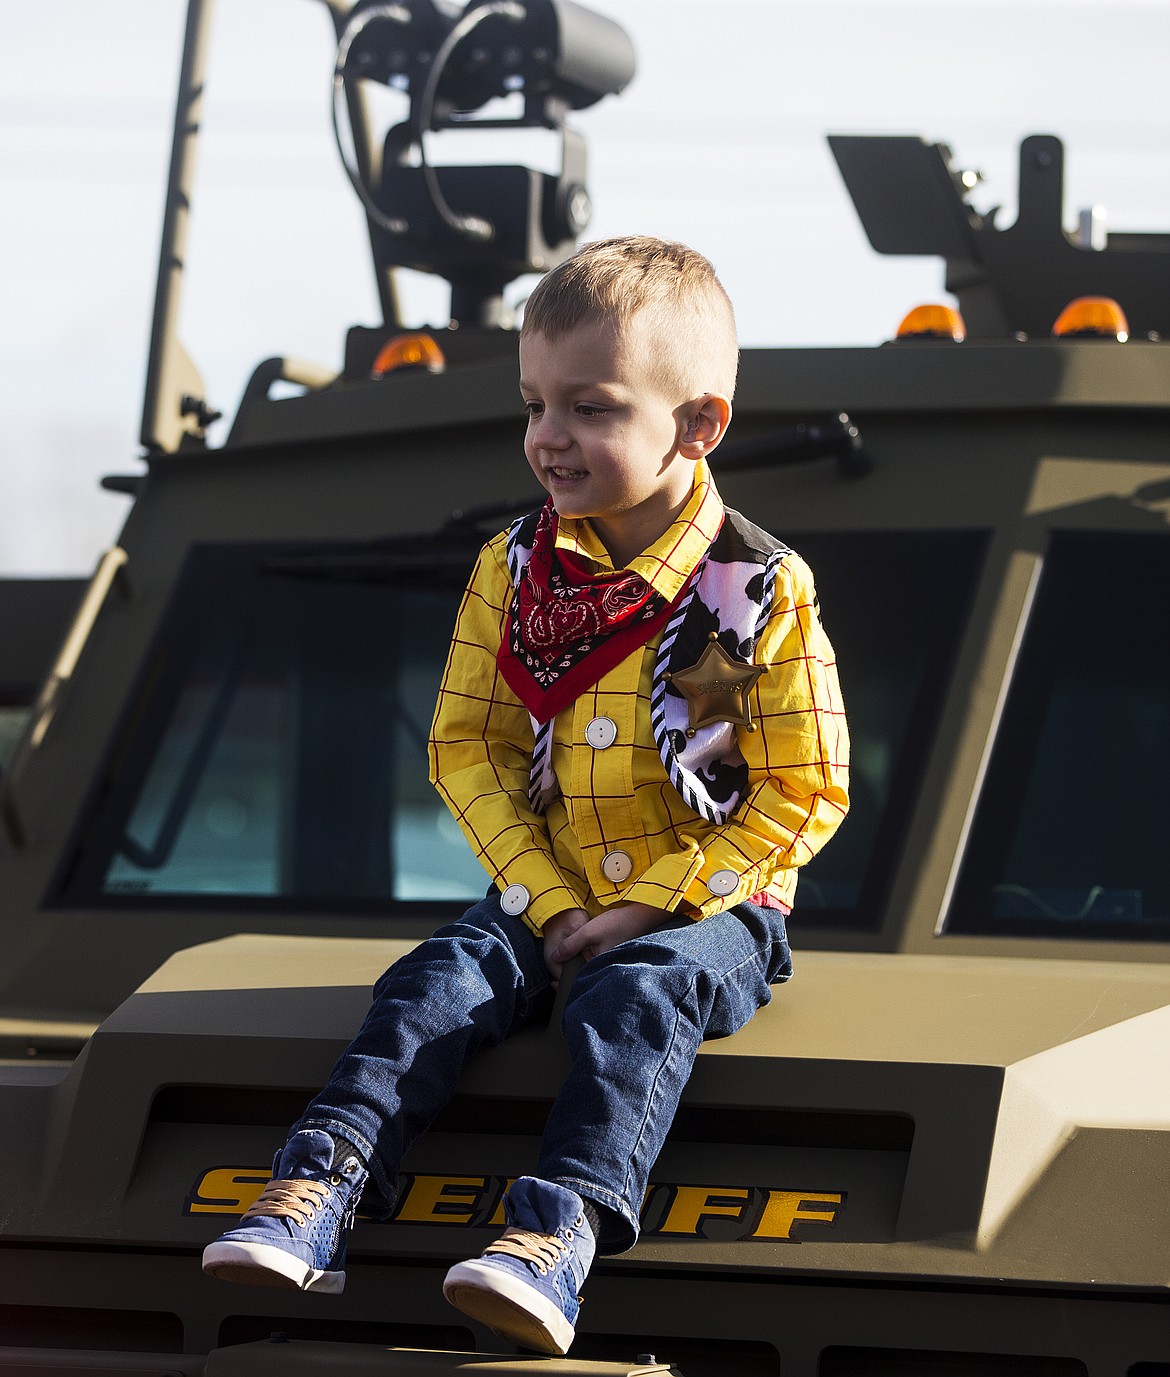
603	436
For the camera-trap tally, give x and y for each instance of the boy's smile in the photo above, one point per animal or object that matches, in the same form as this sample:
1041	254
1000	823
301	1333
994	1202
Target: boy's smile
604	438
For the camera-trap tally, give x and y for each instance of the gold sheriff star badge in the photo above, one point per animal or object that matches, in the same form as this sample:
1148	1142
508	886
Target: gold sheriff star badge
716	688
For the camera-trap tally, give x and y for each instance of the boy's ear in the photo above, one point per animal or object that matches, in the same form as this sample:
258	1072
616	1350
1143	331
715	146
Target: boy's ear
704	423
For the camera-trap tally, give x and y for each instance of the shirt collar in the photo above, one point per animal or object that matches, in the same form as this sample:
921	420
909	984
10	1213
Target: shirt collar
671	560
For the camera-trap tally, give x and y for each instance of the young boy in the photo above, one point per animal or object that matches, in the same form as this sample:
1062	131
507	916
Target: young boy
640	732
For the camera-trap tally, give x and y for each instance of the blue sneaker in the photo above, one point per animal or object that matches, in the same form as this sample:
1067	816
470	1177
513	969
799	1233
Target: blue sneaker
524	1287
294	1236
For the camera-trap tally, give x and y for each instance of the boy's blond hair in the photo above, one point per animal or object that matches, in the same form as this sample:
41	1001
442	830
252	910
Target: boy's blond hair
695	346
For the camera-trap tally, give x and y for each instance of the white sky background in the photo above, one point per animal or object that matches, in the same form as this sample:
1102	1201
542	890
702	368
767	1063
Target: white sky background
719	141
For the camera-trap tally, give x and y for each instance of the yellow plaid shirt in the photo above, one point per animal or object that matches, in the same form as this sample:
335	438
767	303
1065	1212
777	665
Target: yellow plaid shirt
620	797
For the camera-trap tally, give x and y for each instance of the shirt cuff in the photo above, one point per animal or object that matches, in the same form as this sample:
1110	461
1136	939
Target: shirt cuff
545	900
665	883
722	881
699	883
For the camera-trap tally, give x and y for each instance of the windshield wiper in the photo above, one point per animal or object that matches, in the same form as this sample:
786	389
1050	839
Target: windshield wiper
405	559
837	438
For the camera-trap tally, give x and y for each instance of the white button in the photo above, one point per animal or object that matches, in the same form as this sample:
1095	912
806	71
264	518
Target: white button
617	867
723	882
601	732
514	900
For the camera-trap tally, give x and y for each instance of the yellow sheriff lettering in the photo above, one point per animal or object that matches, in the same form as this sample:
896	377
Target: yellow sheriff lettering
784	1209
228	1190
466	1200
441	1200
692	1204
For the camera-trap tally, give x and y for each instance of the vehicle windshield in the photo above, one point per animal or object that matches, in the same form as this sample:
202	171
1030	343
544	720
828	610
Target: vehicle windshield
1068	837
274	751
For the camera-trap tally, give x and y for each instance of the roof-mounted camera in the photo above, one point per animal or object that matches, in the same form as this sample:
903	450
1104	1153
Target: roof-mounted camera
477	226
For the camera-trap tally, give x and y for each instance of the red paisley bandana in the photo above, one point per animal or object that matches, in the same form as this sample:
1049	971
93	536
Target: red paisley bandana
567	627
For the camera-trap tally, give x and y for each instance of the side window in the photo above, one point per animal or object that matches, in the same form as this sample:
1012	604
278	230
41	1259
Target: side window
1069	836
278	747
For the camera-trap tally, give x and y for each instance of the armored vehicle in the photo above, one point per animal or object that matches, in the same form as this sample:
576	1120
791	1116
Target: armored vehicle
944	1148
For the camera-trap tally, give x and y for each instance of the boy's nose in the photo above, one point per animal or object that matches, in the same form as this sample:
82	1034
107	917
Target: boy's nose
549	434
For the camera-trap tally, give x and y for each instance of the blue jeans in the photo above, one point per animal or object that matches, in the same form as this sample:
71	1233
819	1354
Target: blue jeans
633	1022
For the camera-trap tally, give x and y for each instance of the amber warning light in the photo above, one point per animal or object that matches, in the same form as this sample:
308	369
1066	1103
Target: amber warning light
408	351
933	322
1094	317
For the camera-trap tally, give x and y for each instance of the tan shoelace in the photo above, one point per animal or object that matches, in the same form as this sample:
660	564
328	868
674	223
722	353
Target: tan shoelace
297	1200
542	1250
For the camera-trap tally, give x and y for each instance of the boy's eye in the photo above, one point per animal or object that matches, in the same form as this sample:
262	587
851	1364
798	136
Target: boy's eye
585	409
533	408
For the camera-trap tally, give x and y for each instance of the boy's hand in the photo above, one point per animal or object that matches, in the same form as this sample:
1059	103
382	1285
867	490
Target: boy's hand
600	934
555	931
